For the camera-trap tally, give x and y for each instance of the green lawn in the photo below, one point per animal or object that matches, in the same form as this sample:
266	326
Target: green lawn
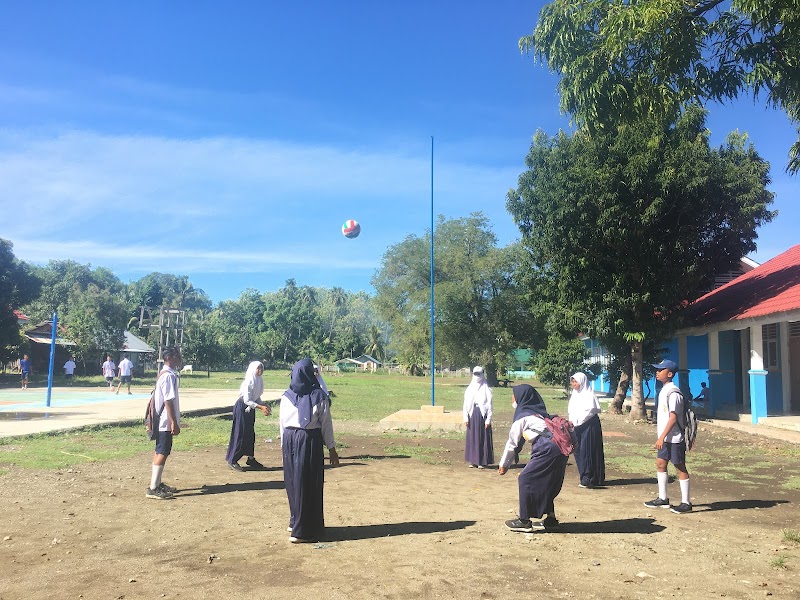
366	397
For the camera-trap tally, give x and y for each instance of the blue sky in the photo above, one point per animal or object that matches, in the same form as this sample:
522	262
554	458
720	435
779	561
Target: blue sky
229	141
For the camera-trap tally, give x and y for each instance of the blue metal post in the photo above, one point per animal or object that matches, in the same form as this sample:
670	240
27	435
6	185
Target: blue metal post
433	351
52	357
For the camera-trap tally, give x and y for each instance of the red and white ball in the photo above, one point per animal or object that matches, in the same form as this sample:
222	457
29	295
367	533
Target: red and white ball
351	229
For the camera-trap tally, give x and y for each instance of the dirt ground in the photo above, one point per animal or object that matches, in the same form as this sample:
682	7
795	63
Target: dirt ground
406	519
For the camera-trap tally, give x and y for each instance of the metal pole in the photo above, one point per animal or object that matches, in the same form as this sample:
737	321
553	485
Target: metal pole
433	350
52	357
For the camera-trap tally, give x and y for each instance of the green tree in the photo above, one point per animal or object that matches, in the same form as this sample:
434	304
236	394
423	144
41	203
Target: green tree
18	286
562	357
95	320
619	60
624	228
479	317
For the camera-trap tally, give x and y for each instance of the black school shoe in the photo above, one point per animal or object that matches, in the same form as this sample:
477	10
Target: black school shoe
235	466
254	464
682	508
524	526
551	524
657	503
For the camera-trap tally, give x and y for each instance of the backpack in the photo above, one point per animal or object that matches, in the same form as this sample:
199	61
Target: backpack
151	416
562	432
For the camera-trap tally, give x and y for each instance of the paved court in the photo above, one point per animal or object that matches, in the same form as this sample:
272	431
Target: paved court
23	412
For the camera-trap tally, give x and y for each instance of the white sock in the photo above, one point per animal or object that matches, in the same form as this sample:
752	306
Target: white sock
684	490
662	484
155	478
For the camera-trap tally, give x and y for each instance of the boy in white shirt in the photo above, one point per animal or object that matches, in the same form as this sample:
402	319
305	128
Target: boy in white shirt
670	443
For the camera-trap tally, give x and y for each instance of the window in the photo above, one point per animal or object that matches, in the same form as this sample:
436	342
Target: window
770	339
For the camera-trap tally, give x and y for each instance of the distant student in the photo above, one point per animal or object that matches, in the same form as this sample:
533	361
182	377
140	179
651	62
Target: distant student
542	478
24	370
125	373
109	370
670	443
69	370
477	414
705	394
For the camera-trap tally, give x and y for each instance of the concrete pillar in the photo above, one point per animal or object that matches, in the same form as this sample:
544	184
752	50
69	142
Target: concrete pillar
683	371
786	369
714	373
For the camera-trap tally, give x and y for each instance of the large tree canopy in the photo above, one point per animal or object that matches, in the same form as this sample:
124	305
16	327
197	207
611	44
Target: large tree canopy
17	287
625	228
619	59
479	315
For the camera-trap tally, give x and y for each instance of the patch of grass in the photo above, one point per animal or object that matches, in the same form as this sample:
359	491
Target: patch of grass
793	483
426	454
790	535
635	465
779	562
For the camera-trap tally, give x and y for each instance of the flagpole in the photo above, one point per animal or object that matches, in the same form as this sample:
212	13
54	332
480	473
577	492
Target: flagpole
433	351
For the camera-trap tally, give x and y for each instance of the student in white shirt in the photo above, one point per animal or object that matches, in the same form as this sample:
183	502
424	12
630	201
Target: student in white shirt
670	443
125	369
69	370
583	410
243	428
542	478
167	405
477	412
306	428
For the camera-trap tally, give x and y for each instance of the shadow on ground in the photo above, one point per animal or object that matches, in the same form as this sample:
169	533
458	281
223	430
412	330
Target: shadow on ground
366	532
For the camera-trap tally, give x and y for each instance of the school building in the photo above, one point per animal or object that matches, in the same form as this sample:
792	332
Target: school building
744	341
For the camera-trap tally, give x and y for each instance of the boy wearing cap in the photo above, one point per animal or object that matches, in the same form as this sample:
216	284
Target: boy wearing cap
670	443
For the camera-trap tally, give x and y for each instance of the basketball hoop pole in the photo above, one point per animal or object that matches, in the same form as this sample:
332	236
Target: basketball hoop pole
433	350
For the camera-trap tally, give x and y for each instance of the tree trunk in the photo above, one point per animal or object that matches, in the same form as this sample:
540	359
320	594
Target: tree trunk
491	375
637	395
623	385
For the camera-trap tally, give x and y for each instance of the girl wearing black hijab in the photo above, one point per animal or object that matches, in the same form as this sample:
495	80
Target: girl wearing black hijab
541	479
306	426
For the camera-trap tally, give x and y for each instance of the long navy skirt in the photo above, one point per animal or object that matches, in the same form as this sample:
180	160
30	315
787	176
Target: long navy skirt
589	455
304	477
480	445
243	433
541	479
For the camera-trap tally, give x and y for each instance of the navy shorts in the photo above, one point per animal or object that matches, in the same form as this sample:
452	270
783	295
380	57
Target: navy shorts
125	379
673	452
109	379
164	443
23	375
68	375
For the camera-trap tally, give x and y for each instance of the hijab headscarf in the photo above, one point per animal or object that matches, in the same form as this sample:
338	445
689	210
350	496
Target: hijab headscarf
253	385
583	402
529	402
304	390
477	394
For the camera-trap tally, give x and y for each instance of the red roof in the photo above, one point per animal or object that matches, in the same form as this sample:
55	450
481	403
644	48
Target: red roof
20	315
771	288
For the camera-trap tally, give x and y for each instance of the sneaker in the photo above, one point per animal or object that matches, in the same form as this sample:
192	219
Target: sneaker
520	525
473	466
158	494
658	503
481	467
289	529
254	464
683	507
167	488
235	466
551	524
297	540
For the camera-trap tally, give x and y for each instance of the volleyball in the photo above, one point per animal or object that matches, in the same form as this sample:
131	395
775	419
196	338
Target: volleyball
351	229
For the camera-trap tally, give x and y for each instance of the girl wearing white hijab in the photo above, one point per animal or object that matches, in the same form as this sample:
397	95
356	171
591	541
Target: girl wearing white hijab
479	451
243	431
583	410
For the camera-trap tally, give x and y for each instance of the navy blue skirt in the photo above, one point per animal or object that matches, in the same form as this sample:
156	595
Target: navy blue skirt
589	455
243	433
304	477
479	448
541	479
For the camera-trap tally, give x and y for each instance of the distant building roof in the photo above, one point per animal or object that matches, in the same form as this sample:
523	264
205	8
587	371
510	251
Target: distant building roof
22	318
135	344
769	289
43	332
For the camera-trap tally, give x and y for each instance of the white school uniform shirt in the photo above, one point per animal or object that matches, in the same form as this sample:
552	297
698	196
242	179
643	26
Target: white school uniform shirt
530	428
109	368
125	368
670	400
167	390
69	367
320	419
583	403
478	393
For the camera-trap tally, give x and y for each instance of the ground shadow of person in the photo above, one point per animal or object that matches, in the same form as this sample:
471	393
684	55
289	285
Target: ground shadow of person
250	486
737	505
634	525
366	532
632	481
